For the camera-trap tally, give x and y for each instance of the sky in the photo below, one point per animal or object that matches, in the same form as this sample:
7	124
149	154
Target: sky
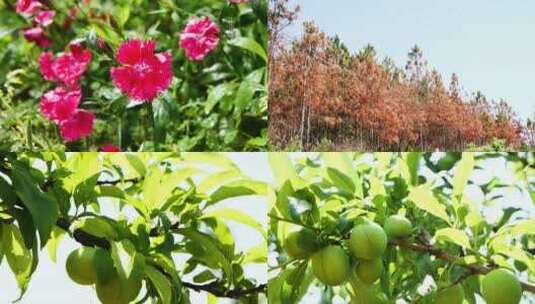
488	43
51	284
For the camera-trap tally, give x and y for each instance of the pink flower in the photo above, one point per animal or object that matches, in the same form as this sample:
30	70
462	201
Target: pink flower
28	7
110	148
37	35
143	74
77	126
199	37
60	104
66	68
45	18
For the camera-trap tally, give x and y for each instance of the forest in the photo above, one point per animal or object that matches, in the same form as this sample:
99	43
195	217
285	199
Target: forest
324	97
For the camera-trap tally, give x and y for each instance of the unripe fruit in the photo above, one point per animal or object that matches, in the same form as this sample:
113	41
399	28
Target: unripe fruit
81	267
501	287
369	295
367	241
111	292
368	271
451	295
398	226
301	244
117	291
330	265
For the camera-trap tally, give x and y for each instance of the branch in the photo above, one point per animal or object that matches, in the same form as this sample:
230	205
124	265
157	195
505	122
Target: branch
118	181
83	237
474	268
217	290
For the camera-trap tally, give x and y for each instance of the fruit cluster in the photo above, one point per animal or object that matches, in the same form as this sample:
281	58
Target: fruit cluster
359	262
94	266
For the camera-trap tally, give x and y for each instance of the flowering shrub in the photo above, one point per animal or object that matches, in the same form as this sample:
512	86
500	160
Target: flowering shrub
133	75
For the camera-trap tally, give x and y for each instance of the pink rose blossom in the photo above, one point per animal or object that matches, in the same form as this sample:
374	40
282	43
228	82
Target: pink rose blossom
199	37
37	35
110	148
77	126
45	18
28	7
66	68
143	74
60	104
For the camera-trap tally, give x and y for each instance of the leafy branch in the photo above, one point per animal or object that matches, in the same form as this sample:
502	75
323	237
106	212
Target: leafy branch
475	269
216	288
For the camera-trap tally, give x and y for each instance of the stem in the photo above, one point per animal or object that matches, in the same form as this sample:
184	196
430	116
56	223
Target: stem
153	124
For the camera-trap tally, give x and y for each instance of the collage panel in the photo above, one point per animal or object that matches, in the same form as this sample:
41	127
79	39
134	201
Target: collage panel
395	76
117	228
133	75
402	228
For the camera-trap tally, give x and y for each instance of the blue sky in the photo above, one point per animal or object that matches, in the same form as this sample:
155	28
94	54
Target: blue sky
490	44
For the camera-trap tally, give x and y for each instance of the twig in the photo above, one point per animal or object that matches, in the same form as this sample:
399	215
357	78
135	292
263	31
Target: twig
474	268
218	290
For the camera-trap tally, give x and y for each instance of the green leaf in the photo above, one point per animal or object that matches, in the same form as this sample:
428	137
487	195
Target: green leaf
7	195
97	227
237	216
341	172
203	276
247	89
212	250
250	45
245	94
455	236
161	283
121	13
423	198
517	229
376	187
129	264
412	160
18	257
340	180
217	179
256	254
238	188
136	163
217	159
53	243
218	93
282	168
82	166
158	186
464	168
44	209
110	191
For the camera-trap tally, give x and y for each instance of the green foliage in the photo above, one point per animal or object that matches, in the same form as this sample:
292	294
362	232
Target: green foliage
168	204
218	104
446	244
